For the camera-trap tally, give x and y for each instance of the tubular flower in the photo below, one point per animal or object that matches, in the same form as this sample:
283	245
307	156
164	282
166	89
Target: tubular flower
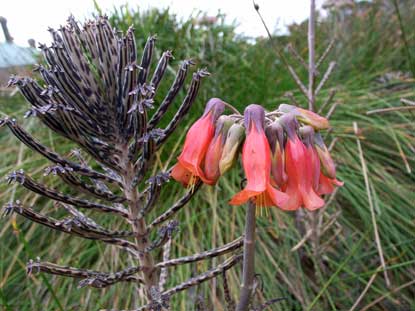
311	118
256	159
215	149
234	139
299	170
326	184
312	160
275	135
327	164
188	169
327	179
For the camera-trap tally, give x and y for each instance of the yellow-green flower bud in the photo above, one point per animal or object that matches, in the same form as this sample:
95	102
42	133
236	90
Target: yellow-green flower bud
234	139
306	116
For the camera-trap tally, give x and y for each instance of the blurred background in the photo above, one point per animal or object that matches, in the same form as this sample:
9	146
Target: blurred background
373	45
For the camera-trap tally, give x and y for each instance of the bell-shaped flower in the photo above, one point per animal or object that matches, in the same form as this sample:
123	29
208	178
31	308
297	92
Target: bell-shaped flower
275	136
299	170
234	139
327	164
312	159
326	184
189	167
256	160
306	116
215	149
327	179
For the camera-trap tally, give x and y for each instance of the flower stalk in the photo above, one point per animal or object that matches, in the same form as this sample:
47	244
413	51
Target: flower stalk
248	266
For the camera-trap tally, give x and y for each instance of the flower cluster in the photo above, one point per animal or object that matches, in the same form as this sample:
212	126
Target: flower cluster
284	157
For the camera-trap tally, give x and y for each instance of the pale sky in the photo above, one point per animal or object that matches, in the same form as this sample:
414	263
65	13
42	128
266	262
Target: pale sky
31	18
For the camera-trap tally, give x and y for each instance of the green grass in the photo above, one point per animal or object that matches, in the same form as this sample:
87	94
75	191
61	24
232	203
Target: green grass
243	73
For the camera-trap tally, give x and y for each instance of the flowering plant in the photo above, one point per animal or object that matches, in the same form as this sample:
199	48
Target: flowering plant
286	163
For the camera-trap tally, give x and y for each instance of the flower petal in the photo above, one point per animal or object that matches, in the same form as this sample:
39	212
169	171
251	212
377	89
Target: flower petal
256	160
243	197
181	174
326	184
274	197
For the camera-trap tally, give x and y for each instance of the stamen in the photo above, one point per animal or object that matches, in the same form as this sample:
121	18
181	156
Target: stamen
260	201
192	183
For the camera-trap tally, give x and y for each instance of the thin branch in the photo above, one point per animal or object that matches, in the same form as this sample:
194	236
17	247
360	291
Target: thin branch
30	184
146	60
197	280
331	111
155	184
296	55
204	255
230	304
297	80
69	226
291	70
172	93
65	173
160	69
163	235
328	101
33	144
186	104
326	76
85	221
326	53
311	56
90	277
176	207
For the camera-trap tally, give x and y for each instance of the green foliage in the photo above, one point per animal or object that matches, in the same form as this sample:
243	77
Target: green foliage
246	71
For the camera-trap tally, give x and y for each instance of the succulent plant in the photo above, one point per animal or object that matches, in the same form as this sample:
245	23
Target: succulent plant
99	94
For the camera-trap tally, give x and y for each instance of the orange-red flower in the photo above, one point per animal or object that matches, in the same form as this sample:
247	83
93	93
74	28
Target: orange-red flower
189	167
311	156
299	167
326	184
215	150
256	159
327	178
275	136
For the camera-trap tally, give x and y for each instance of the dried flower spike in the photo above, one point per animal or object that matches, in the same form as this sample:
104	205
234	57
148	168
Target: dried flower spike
98	93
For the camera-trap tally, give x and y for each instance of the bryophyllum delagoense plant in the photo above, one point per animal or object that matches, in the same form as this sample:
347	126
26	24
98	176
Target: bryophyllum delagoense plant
97	92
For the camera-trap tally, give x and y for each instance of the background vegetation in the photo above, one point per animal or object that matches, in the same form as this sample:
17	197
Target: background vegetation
374	51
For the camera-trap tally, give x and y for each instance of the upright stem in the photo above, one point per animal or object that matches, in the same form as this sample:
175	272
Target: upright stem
249	259
150	277
311	56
